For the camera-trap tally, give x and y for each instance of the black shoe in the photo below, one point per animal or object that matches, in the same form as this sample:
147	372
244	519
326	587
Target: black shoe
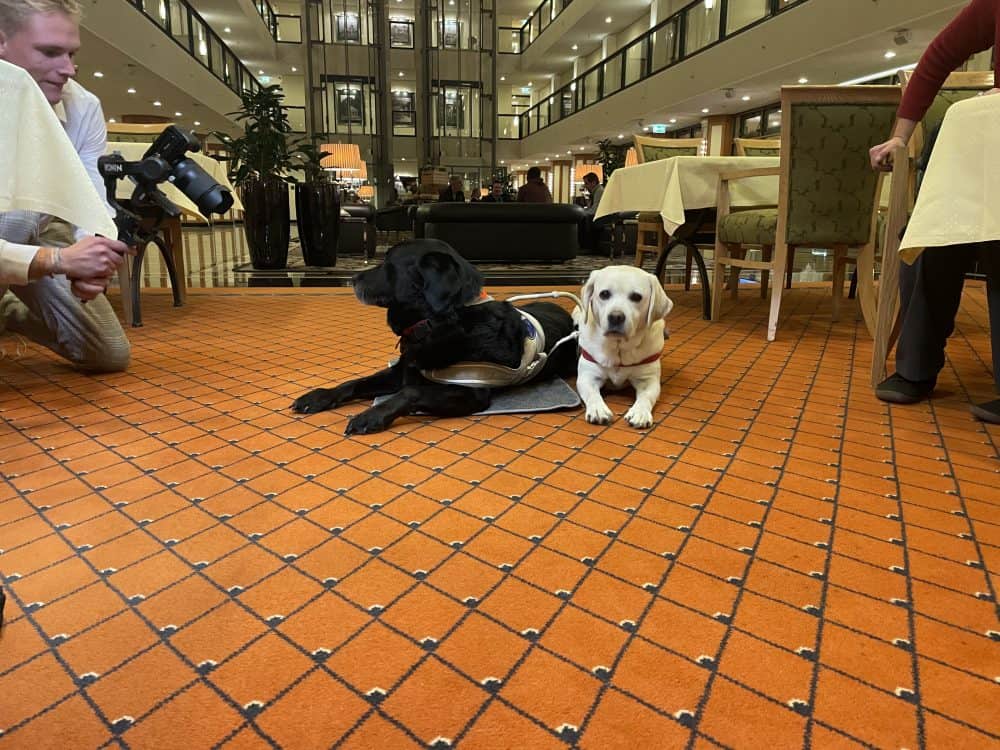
898	390
988	412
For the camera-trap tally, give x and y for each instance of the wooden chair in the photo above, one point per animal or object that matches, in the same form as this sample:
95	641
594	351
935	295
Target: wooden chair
651	237
757	146
827	196
958	86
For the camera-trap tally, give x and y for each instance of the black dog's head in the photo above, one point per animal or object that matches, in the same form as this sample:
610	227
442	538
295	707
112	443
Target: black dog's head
419	279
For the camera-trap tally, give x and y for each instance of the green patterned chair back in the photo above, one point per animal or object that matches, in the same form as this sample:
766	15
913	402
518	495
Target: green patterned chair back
831	185
754	151
655	153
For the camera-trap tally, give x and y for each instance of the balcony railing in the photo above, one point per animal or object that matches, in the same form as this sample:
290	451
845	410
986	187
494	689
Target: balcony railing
178	20
268	16
693	29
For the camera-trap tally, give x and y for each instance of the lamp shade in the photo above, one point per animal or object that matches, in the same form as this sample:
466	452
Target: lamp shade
583	169
366	191
631	158
343	157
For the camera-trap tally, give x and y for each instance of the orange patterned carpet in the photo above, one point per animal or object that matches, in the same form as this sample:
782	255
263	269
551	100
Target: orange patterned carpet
782	561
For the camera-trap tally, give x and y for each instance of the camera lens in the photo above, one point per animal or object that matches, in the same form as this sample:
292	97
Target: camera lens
201	188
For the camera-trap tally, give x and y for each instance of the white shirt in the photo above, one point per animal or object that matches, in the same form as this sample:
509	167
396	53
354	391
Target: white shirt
83	119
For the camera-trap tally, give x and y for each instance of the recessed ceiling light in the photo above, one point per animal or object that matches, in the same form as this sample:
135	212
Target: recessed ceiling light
502	161
529	83
889	54
197	123
575	47
178	114
112	120
746	98
607	20
646	129
131	90
400	74
621	135
704	111
294	69
503	78
228	30
673	119
581	148
803	79
98	74
157	104
260	72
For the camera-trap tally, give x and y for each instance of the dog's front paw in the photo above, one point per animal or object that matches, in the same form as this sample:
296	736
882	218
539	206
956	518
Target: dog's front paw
639	417
367	422
599	413
319	400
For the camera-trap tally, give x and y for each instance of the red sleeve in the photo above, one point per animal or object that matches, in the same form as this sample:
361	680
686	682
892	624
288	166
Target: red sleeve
973	30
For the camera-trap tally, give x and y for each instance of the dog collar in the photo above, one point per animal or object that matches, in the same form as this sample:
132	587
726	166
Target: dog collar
651	358
426	323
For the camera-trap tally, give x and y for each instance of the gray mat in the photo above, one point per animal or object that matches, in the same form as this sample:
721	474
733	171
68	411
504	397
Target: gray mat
547	395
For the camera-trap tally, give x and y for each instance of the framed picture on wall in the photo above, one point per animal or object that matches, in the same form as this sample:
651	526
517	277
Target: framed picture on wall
349	28
402	108
451	33
401	34
350	106
453	114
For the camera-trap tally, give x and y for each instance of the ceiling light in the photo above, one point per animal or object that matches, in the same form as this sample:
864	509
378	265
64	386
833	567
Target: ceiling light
228	30
621	135
607	20
178	114
575	47
130	90
98	74
803	79
704	111
503	78
529	83
746	98
112	120
197	123
502	161
294	69
646	129
889	54
400	74
260	72
673	119
157	103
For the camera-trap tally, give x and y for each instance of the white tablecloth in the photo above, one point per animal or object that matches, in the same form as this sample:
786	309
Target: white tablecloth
39	168
135	151
959	199
672	186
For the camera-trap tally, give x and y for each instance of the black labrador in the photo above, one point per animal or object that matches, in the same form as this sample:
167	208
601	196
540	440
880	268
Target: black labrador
435	305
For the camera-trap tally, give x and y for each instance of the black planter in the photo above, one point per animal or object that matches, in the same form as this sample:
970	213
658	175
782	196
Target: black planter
317	207
267	222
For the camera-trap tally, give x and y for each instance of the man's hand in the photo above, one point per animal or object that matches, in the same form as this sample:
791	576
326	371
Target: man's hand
881	155
88	289
93	258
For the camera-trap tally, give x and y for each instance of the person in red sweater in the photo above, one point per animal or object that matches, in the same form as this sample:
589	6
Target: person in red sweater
931	288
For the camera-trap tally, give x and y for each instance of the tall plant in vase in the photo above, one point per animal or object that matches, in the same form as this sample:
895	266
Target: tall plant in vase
317	208
259	162
611	156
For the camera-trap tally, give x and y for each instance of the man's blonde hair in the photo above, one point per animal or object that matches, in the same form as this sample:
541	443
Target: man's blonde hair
15	13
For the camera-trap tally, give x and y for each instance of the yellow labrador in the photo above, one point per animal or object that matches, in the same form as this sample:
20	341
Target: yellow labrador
621	340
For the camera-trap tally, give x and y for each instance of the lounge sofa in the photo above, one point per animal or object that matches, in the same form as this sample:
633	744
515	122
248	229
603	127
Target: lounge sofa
504	232
357	231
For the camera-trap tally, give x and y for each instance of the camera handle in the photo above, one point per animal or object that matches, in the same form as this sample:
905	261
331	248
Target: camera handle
146	174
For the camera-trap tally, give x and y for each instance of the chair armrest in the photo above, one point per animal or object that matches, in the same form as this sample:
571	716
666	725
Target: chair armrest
742	174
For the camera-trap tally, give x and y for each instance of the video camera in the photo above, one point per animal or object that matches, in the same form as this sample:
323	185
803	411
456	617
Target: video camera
165	160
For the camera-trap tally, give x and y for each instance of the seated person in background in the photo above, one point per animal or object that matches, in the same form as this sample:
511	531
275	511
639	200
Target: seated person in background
534	190
453	193
591	229
593	185
477	195
51	276
496	194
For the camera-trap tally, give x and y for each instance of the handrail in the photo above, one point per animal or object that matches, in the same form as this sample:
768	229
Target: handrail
662	47
268	16
228	69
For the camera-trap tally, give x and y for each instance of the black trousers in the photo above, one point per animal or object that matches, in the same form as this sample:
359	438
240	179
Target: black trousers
930	291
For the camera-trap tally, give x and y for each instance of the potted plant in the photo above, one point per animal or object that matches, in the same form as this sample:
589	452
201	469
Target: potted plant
317	206
259	160
611	156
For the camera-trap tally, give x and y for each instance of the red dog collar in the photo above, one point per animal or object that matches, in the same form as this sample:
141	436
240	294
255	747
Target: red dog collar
651	358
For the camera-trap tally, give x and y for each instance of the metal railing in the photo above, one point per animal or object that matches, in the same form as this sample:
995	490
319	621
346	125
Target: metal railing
182	23
691	30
